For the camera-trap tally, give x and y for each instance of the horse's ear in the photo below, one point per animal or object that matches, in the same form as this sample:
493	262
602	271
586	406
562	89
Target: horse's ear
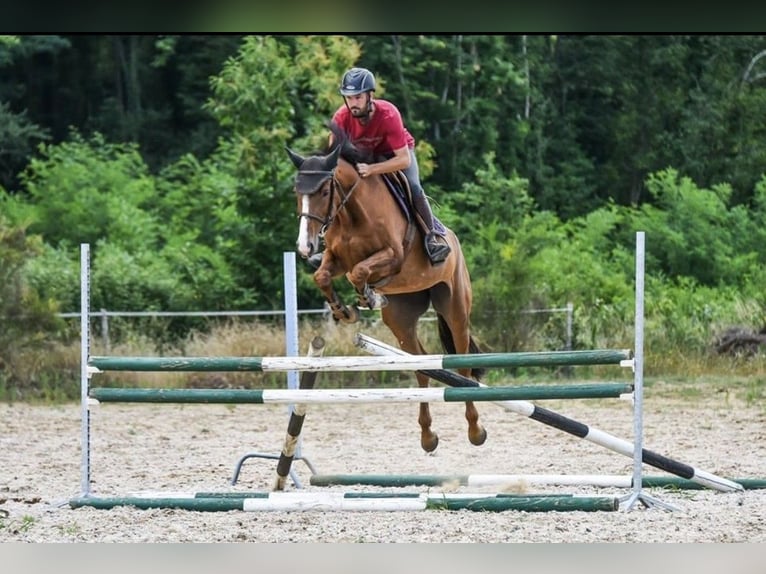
296	159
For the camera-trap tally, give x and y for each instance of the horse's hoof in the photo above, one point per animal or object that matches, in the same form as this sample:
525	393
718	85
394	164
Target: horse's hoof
478	439
429	442
372	299
377	301
350	315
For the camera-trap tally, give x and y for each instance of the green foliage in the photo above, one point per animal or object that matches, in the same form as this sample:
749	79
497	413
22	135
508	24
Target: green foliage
319	64
19	136
198	200
506	285
490	199
204	231
461	93
263	97
102	194
28	320
686	317
86	190
755	236
693	232
549	264
248	97
55	272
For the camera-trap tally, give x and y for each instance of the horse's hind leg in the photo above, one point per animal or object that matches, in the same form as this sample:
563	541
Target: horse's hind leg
455	336
477	434
401	316
429	440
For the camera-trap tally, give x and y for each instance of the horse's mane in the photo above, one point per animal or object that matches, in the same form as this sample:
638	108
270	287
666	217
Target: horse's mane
348	150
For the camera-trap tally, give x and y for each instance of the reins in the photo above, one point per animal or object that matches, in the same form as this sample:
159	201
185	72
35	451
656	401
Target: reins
330	217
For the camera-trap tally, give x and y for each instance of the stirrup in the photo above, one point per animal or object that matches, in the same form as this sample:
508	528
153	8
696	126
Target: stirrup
315	260
436	248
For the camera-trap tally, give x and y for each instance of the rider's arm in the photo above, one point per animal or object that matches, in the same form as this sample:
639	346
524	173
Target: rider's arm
399	161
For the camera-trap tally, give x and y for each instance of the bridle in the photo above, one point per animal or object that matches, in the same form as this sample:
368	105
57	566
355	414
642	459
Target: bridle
334	183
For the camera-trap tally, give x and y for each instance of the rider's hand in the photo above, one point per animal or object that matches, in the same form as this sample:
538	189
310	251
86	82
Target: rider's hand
364	169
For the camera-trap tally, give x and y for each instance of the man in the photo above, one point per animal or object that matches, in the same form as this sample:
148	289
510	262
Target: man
376	125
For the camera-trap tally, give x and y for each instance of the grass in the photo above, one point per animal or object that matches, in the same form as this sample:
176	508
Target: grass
24	524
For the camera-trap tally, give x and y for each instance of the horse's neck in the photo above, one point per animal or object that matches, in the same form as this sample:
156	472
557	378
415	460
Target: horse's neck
365	198
362	203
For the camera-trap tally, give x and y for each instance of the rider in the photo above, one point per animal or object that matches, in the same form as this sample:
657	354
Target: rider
376	125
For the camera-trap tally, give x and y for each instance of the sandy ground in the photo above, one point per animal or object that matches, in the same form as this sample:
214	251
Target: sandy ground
193	448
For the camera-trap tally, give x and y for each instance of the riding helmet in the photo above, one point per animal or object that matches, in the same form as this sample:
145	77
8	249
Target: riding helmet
356	81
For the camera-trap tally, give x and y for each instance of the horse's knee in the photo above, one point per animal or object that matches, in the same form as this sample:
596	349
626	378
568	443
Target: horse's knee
322	279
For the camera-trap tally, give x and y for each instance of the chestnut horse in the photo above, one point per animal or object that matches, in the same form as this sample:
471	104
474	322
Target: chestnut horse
369	238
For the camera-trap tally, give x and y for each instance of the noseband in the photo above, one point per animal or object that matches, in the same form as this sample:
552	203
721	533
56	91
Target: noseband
334	183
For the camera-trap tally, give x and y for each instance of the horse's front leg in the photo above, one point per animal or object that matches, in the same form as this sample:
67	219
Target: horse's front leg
381	264
323	278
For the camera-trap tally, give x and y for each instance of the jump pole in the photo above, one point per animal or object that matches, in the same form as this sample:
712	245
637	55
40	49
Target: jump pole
563	423
359	395
518	481
358	363
354	501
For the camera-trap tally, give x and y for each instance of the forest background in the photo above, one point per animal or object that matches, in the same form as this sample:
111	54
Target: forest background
546	154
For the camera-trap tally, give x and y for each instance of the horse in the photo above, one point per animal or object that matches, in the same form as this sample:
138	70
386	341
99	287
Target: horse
369	238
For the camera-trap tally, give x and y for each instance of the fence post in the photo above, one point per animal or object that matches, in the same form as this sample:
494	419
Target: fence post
105	329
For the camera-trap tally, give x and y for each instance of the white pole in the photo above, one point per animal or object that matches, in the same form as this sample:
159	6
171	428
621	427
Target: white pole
84	355
291	326
291	314
638	375
638	389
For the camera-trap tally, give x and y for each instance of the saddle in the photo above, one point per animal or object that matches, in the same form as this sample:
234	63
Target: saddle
399	186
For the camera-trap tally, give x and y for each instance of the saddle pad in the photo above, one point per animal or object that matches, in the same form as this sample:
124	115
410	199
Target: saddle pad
399	188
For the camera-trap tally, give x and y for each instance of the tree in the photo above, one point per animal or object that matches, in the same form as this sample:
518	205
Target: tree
27	318
271	91
18	139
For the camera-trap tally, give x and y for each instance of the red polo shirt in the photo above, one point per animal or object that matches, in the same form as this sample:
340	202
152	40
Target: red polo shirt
382	135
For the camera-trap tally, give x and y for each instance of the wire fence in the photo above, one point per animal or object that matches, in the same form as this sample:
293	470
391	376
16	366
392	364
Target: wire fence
103	316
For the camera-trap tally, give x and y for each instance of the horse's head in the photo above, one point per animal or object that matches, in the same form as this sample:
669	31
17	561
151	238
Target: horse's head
313	171
314	187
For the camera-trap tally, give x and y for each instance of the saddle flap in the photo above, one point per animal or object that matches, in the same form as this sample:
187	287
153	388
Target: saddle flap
399	186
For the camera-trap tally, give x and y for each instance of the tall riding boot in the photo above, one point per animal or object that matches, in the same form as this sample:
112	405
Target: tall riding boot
436	245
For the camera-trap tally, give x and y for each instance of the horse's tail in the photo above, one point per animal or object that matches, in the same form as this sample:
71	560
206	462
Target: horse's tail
448	345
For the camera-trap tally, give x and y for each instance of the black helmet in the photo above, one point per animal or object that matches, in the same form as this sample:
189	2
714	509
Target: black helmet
356	81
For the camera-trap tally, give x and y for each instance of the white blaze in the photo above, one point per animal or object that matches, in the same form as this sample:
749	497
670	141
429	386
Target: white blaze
303	230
